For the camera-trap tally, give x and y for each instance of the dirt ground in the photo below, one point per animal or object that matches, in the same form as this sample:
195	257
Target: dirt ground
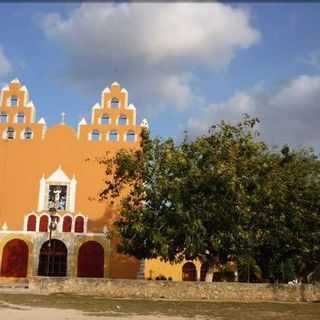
71	307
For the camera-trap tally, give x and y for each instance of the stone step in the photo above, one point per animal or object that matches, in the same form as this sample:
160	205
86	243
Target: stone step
14	285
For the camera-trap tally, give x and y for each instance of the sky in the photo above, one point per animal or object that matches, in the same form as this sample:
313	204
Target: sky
186	66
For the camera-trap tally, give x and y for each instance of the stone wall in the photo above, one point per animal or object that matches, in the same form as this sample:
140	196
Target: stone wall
144	289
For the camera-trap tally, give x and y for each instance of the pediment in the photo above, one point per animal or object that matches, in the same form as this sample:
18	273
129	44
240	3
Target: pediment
59	176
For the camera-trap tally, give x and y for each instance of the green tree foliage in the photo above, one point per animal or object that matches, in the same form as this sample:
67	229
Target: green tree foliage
220	196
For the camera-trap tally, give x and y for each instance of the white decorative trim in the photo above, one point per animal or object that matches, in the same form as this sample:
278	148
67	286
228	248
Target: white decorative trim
44	128
58	176
42	194
133	108
88	234
23	88
106	90
4	227
103	93
42	121
81	123
33	110
73	187
16	80
125	92
94	107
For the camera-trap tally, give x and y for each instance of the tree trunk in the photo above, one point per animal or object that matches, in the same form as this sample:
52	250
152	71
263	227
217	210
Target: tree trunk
209	274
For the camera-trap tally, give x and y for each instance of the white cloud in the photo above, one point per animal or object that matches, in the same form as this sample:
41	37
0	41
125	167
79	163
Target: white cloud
150	47
5	65
313	58
289	114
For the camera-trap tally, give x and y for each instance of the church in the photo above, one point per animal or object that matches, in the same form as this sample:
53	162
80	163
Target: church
51	222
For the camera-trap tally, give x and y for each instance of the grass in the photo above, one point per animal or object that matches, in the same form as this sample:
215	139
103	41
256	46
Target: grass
102	306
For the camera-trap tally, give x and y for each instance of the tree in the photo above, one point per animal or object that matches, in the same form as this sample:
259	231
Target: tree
185	201
288	219
221	196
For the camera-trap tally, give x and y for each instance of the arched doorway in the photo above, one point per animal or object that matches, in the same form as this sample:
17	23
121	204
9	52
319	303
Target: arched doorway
53	259
15	259
189	272
91	260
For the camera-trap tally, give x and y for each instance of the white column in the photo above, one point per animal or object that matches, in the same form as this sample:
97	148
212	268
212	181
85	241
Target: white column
42	194
72	201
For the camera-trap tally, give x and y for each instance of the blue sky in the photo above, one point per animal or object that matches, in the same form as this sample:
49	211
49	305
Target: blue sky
185	66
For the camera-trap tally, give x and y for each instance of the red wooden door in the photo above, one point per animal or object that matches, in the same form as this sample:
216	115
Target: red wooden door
91	260
15	259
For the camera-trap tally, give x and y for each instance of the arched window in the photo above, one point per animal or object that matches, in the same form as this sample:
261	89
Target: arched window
67	223
95	135
13	101
113	136
105	119
43	227
27	135
114	102
10	133
131	136
32	222
3	117
79	225
20	117
122	120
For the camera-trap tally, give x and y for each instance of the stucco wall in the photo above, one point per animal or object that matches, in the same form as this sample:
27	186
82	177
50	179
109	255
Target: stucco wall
144	289
24	162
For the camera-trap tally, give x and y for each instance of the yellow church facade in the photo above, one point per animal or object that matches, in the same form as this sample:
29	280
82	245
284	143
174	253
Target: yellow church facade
51	223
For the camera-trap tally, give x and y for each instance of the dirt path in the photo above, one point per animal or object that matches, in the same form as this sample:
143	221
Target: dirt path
72	307
13	312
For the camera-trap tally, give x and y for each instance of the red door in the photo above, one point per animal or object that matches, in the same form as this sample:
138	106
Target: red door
91	260
15	259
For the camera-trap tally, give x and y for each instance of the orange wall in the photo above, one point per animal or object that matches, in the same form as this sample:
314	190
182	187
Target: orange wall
23	162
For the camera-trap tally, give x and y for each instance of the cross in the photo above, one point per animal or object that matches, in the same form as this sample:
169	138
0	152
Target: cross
63	115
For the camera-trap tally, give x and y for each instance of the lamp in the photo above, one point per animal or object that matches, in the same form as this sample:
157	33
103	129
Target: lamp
52	226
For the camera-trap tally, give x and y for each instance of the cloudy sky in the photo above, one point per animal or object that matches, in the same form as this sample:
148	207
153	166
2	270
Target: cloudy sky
185	66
